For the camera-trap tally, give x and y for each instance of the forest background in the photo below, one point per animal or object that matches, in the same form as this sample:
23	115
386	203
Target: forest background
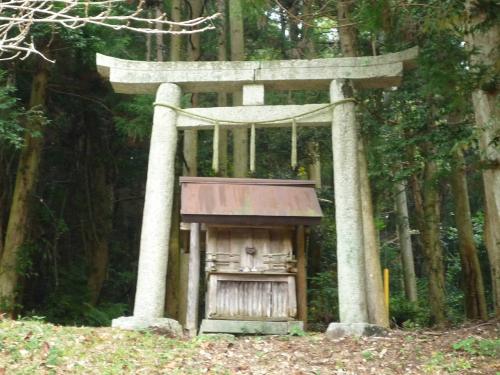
74	154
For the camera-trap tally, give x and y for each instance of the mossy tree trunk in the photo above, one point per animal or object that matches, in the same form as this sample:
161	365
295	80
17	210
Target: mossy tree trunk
18	226
485	39
475	302
98	189
405	243
427	210
222	97
237	43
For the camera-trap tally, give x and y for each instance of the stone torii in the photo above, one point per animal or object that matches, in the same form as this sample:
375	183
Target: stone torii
169	79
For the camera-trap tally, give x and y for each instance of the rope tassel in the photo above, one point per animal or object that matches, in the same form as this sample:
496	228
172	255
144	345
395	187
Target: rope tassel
252	148
293	161
215	152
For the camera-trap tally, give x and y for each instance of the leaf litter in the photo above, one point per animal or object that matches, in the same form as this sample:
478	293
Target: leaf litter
28	347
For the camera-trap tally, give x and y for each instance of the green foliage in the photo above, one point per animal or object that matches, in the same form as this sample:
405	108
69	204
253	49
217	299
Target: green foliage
439	363
25	256
11	112
103	314
295	330
322	298
479	346
133	116
368	355
408	314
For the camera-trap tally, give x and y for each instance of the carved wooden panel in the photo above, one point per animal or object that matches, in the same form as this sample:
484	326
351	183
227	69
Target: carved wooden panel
249	249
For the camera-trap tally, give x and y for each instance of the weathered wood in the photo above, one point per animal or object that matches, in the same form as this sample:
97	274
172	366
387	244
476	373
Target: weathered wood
252	296
135	77
248	273
253	114
226	249
301	274
193	280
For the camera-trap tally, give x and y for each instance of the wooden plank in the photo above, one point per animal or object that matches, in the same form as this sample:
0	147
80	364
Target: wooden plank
292	298
193	280
255	114
301	274
211	299
262	277
210	263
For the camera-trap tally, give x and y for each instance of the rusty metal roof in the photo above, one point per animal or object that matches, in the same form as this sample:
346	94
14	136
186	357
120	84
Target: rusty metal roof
247	201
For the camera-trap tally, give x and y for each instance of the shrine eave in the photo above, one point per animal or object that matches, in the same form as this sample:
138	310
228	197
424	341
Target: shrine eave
249	201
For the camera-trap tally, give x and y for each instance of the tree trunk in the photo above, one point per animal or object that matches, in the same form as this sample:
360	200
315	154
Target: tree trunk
487	112
377	311
193	54
240	136
26	178
148	40
403	224
347	31
314	165
428	219
222	97
475	302
159	36
99	229
175	40
8	158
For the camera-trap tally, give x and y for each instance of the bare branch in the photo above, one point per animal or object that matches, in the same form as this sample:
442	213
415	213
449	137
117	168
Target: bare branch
18	16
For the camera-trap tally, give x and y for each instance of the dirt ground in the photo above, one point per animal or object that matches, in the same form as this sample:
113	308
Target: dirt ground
401	352
40	348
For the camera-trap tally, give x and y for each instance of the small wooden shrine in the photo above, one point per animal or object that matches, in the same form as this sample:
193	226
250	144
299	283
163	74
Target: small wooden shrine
254	250
261	216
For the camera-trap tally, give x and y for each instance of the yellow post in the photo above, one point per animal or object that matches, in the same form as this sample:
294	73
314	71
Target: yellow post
386	289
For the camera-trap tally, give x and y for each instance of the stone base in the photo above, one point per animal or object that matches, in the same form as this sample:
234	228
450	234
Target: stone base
249	327
338	330
165	326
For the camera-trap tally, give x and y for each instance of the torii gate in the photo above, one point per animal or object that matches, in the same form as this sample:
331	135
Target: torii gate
169	79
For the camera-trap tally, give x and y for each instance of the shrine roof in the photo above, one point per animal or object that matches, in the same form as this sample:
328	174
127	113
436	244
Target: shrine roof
248	201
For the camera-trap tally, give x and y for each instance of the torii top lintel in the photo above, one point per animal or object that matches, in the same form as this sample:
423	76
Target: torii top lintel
139	77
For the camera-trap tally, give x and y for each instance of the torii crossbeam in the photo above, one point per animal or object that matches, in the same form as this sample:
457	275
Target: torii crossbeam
169	79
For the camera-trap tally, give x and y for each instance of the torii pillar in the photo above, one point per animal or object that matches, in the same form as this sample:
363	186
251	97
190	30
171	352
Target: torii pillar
339	75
